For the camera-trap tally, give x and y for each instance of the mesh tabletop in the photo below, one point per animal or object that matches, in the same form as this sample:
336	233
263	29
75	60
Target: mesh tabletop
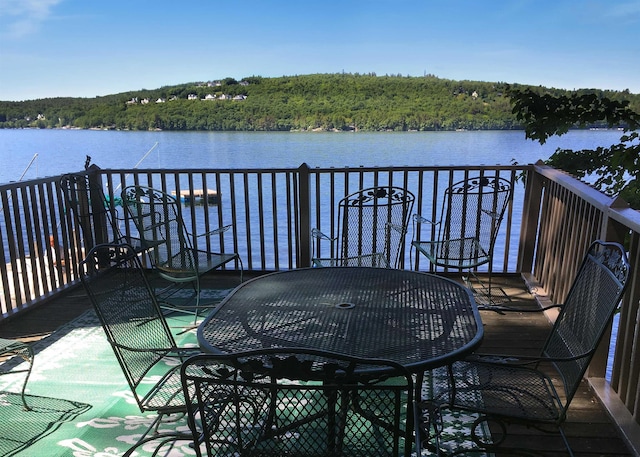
416	319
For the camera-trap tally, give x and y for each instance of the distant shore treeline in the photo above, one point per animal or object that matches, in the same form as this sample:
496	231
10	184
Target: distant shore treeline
307	102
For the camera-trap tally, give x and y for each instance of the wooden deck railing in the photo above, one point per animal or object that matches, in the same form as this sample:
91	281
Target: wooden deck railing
565	216
547	228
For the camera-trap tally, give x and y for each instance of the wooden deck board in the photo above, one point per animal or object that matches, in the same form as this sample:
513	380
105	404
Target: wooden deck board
589	428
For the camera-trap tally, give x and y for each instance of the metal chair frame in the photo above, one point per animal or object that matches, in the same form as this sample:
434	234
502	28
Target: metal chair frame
298	402
158	219
135	328
519	390
372	225
465	235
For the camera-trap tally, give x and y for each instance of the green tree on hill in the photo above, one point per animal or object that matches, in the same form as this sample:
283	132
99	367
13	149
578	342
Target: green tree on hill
306	102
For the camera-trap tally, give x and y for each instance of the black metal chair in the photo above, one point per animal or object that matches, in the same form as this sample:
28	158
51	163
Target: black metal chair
465	236
171	247
518	390
372	225
135	328
277	402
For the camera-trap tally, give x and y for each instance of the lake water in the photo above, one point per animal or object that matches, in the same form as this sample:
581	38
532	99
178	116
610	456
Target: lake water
62	151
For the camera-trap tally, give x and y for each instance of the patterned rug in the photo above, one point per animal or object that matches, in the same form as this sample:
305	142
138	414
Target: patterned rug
81	403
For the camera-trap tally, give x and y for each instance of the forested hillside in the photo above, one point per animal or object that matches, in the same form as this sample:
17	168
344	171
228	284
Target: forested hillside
307	102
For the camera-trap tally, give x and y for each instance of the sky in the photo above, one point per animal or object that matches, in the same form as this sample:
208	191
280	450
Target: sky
88	48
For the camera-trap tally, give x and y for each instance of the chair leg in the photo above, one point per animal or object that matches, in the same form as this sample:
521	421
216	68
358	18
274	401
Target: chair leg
152	434
566	442
198	291
162	438
167	292
428	427
498	442
29	359
490	300
241	269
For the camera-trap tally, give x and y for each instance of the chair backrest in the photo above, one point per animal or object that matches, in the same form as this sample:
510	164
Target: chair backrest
161	228
587	311
374	221
298	402
473	209
127	309
93	212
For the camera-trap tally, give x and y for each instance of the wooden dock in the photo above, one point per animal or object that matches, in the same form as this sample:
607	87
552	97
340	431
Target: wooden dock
197	196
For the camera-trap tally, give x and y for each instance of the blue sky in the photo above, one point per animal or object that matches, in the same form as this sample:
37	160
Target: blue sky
85	48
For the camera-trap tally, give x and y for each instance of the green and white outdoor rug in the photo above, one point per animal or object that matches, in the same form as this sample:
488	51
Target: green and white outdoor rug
82	405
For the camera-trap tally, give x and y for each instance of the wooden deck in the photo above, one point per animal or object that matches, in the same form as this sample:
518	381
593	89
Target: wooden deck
588	427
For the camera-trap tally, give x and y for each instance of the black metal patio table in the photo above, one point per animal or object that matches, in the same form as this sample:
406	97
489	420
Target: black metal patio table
419	320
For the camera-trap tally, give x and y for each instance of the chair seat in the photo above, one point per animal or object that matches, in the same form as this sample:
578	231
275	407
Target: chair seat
460	253
181	266
500	389
167	395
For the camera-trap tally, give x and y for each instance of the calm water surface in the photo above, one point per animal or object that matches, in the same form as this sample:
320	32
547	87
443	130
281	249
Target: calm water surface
62	151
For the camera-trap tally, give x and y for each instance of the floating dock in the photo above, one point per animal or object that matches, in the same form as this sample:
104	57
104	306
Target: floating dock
196	196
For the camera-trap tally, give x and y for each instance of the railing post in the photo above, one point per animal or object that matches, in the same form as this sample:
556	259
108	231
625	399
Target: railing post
530	220
610	230
97	207
304	241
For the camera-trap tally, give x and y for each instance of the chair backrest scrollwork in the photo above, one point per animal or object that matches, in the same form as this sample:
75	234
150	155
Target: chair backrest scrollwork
298	402
473	209
374	221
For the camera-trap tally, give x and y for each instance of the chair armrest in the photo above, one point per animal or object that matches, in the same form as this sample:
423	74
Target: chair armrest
418	219
491	214
396	227
185	351
500	359
217	231
315	233
168	352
